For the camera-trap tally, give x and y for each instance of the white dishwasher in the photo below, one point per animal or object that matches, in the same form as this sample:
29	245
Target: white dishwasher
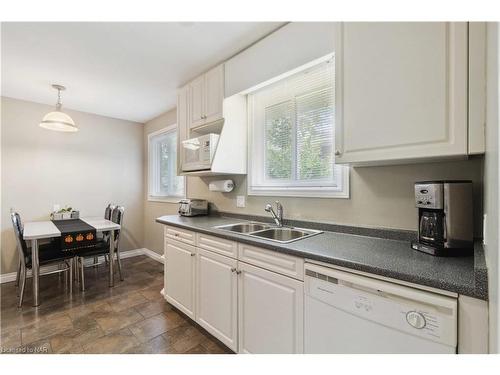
348	313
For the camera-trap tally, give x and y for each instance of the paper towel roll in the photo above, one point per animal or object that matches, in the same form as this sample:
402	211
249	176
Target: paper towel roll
221	185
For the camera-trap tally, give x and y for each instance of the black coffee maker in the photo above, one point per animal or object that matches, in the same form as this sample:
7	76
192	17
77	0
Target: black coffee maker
445	218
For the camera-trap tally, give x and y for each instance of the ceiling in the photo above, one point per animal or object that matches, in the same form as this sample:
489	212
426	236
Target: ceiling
124	70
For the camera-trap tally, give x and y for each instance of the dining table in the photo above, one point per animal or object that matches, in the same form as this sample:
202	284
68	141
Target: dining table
37	230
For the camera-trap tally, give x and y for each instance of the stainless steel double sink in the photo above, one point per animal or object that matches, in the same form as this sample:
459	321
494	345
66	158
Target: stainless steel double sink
269	232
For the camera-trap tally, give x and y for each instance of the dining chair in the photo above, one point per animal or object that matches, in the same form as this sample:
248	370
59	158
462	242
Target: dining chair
105	236
102	246
48	253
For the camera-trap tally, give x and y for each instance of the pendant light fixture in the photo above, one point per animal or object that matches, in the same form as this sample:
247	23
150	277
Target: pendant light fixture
58	120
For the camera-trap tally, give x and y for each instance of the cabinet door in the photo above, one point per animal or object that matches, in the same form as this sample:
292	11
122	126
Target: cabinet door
216	307
182	123
270	308
180	265
214	94
196	102
401	91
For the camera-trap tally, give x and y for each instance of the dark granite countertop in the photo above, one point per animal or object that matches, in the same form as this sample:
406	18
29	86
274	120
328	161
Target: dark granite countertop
392	258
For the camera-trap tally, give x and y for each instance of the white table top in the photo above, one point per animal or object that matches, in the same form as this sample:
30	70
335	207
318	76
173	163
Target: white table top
100	224
47	229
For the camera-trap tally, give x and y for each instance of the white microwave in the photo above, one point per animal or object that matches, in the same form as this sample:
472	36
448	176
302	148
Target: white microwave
198	153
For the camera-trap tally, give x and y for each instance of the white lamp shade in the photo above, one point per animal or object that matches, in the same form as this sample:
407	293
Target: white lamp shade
58	121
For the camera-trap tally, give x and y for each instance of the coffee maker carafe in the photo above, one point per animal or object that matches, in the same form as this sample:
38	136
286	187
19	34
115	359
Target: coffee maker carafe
445	222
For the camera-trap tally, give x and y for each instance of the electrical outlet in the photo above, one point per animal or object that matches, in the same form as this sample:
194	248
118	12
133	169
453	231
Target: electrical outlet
240	201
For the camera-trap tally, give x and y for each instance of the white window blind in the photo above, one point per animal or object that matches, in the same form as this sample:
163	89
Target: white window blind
292	130
163	179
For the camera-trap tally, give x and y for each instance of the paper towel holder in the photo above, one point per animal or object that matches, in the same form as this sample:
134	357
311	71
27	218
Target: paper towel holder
224	186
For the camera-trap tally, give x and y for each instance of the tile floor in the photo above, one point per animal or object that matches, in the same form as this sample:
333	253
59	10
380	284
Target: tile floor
132	317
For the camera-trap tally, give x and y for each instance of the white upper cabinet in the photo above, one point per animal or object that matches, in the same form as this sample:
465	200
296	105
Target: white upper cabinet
182	116
401	91
477	87
206	94
214	94
196	102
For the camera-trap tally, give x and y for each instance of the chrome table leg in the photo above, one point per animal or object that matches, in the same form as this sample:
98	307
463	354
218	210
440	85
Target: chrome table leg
111	258
35	271
70	271
77	269
119	262
82	274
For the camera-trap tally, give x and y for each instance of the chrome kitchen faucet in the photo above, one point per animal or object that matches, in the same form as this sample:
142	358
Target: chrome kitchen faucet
278	218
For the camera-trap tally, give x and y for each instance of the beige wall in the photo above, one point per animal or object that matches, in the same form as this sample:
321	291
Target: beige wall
153	232
101	163
40	163
380	196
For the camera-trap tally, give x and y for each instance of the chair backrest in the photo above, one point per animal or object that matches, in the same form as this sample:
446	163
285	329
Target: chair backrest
18	231
107	215
107	212
117	217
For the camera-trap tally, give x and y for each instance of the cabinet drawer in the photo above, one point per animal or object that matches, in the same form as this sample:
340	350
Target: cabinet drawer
181	235
217	245
271	260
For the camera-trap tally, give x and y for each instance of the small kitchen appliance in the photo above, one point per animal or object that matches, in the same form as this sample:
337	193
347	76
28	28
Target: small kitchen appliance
193	207
445	218
198	153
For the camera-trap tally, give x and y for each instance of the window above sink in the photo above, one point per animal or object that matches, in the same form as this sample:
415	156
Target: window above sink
292	135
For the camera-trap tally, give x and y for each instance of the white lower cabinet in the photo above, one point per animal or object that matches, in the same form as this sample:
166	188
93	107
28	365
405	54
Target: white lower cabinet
217	296
180	276
270	309
249	308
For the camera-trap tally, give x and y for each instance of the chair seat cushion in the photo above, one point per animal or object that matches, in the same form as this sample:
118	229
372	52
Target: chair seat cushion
48	253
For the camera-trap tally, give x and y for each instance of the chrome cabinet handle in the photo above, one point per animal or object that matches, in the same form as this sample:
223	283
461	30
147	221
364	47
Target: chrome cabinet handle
233	269
238	272
337	153
193	254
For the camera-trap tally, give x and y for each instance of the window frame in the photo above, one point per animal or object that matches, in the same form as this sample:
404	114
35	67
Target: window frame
164	198
314	190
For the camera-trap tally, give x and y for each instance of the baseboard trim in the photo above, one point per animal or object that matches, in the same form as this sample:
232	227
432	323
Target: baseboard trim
153	255
9	277
131	253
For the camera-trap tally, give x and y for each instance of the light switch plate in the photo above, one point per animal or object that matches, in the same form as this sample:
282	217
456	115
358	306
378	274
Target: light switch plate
240	201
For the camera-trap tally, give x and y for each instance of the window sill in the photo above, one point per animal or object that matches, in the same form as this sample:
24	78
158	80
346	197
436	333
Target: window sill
299	194
165	200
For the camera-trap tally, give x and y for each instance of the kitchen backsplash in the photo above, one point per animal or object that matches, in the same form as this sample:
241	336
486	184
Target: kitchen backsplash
377	197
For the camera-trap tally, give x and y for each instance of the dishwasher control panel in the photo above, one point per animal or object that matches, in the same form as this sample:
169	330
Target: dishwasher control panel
415	319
